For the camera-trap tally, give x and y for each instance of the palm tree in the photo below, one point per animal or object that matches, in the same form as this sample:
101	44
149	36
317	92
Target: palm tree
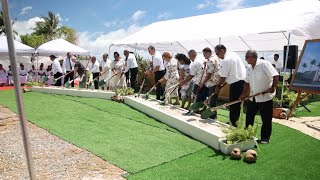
48	27
318	70
304	65
312	63
3	28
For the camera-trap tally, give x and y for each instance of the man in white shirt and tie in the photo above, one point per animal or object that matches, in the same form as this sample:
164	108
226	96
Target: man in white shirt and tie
132	67
261	77
158	69
95	71
56	70
67	68
232	72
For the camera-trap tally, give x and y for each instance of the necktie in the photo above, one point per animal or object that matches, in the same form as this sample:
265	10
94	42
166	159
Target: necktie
70	65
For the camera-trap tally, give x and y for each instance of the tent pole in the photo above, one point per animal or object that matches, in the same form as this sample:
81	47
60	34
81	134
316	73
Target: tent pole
17	89
209	43
182	46
37	69
285	68
244	42
110	48
219	40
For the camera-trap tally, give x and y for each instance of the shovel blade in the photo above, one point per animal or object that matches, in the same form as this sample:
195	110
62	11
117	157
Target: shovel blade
196	106
101	83
67	84
207	113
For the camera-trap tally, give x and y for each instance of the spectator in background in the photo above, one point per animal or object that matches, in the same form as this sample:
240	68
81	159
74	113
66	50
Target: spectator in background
23	74
32	74
95	71
3	76
10	80
278	64
41	73
117	67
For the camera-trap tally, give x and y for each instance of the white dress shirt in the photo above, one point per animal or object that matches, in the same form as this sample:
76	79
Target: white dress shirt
131	62
95	67
66	65
105	65
278	64
157	61
196	69
232	68
260	78
56	67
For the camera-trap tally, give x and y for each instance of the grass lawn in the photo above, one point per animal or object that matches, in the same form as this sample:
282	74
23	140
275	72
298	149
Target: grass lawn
148	149
313	104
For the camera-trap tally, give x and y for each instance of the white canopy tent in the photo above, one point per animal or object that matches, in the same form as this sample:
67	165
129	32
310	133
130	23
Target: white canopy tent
60	47
263	28
21	49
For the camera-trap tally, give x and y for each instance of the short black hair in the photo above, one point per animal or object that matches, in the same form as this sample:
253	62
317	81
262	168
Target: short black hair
116	53
277	55
252	53
151	47
182	57
207	50
220	47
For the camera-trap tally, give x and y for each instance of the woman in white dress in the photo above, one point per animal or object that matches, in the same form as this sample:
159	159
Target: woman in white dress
41	73
172	77
186	89
3	76
23	74
32	74
117	67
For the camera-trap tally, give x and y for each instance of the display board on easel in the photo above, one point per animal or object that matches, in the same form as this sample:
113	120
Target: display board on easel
306	78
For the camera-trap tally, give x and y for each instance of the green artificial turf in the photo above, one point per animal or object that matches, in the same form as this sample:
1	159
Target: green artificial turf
113	131
290	155
148	149
313	104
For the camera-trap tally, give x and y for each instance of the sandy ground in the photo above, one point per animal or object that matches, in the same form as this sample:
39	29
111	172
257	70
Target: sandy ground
307	125
53	157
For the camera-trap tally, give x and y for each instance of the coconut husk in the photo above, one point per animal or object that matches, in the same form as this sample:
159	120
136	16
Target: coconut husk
250	156
236	153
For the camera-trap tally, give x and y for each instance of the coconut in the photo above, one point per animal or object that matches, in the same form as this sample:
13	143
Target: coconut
250	156
236	153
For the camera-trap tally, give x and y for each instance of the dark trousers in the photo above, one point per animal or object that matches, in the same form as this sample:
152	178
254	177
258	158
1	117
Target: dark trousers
159	90
234	94
203	93
55	76
127	76
133	77
265	109
206	92
95	75
69	76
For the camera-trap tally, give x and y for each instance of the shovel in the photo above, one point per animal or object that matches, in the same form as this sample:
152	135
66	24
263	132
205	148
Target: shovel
55	80
210	111
67	84
141	87
174	87
104	81
153	87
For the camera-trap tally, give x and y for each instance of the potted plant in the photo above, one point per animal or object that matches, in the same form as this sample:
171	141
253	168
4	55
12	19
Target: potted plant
239	137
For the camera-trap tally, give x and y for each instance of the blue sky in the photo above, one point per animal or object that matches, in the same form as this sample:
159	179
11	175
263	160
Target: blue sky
99	22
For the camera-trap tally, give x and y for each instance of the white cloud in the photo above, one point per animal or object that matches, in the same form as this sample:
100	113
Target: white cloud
67	19
205	4
99	45
138	15
226	5
25	10
110	23
164	15
24	27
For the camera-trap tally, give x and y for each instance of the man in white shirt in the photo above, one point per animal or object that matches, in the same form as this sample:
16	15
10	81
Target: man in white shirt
131	67
232	72
158	69
278	64
95	71
67	68
261	77
196	69
105	69
56	69
210	79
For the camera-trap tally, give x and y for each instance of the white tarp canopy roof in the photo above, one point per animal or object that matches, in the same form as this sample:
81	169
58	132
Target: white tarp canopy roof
261	28
60	47
21	49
